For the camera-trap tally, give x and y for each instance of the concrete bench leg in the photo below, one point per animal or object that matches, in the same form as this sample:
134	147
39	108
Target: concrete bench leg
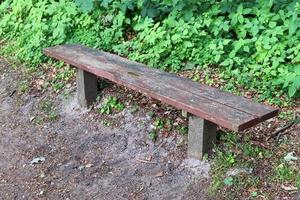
86	88
202	136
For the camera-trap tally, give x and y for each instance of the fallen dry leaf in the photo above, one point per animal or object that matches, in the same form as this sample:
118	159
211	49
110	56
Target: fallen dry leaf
160	174
289	188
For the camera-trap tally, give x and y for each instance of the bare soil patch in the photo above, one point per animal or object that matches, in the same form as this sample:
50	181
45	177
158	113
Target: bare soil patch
84	159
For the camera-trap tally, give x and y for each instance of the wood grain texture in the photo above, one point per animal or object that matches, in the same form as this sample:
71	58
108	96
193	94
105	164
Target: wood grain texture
225	109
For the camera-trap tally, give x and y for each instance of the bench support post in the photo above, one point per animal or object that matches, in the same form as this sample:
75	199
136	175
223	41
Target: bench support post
202	136
86	88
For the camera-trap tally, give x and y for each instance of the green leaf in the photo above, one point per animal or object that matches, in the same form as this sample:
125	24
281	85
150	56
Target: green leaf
234	20
176	37
105	3
240	9
246	49
247	11
85	5
152	135
294	87
272	24
292	27
254	194
217	58
254	30
225	27
241	19
297	70
189	66
228	181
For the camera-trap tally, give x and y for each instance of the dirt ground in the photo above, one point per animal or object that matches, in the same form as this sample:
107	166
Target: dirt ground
84	159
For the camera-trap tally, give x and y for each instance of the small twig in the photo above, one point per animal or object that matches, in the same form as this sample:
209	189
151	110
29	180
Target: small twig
279	136
142	188
159	146
138	192
223	129
12	93
278	133
145	161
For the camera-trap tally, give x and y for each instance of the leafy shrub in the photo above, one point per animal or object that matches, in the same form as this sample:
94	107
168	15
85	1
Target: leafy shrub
254	43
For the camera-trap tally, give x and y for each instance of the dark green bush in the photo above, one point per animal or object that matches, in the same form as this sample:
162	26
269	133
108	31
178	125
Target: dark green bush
255	44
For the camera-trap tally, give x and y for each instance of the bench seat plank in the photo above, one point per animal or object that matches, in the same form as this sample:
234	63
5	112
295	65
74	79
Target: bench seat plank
230	111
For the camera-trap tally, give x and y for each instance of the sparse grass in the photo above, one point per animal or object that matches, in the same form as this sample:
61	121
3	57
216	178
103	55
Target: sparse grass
105	123
150	114
158	124
46	112
24	86
110	105
55	75
133	109
169	125
267	166
62	75
183	130
286	173
153	136
286	115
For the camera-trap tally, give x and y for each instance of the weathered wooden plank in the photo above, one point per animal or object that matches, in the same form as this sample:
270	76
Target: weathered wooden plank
213	94
206	102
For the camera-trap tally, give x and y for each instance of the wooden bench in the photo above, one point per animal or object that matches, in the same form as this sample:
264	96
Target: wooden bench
207	106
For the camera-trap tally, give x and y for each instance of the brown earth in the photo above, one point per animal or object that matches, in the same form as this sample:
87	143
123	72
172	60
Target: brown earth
89	155
84	159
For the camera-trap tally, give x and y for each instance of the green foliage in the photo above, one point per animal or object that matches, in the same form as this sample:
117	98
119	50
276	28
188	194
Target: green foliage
159	124
236	153
153	136
183	130
254	43
111	104
228	181
287	171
